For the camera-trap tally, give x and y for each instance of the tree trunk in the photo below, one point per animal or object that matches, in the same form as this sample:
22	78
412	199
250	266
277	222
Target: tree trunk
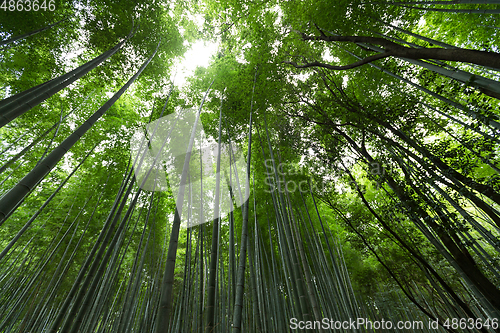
210	308
25	185
240	278
460	255
165	306
483	58
22	102
13	39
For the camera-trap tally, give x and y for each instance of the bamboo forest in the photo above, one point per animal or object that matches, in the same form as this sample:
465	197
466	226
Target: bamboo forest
333	166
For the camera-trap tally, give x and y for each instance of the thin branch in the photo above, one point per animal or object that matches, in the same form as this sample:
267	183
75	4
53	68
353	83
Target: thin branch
354	39
467	11
449	2
350	66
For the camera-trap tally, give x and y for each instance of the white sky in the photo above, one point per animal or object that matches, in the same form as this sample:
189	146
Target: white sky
198	54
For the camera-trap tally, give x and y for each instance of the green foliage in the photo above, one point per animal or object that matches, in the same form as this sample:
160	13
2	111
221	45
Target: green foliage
377	188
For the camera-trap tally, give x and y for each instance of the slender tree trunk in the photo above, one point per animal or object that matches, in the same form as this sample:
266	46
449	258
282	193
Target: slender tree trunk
21	190
49	199
403	244
309	281
210	308
460	255
487	86
469	112
165	306
240	278
22	103
453	183
13	39
451	173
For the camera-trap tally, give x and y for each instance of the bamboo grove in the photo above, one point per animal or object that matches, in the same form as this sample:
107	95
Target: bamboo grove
368	188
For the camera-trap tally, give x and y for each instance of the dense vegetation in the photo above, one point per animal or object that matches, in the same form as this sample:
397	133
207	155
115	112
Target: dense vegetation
369	137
